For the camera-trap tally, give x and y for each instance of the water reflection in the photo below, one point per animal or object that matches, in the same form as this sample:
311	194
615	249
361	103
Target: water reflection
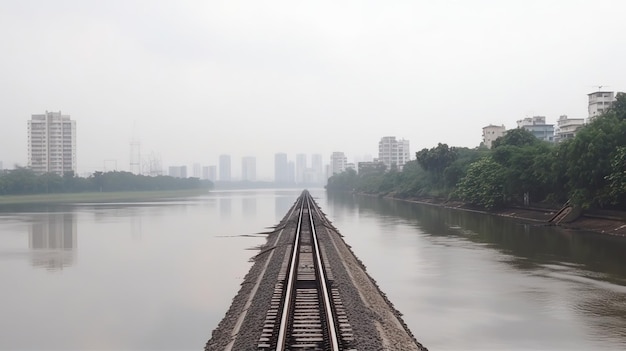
52	239
282	204
530	243
225	207
548	273
248	206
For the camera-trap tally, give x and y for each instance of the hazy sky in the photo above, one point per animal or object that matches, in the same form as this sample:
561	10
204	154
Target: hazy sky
194	79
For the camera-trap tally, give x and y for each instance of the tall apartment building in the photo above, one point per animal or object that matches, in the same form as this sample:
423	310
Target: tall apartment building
205	172
197	170
338	162
491	133
567	127
393	152
225	168
281	168
538	127
599	102
177	171
52	143
212	173
301	166
248	168
317	166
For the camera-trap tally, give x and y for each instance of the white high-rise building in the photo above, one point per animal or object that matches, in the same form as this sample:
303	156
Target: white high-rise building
318	168
599	102
281	168
248	168
338	162
567	127
300	167
213	173
197	170
491	133
393	152
205	172
177	171
52	143
225	168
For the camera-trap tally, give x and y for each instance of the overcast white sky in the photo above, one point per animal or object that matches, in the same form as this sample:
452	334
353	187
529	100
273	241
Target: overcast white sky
195	79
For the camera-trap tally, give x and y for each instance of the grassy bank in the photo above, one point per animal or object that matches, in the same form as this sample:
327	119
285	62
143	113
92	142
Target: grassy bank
67	198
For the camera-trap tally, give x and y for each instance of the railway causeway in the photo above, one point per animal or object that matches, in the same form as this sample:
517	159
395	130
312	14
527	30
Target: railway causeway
307	291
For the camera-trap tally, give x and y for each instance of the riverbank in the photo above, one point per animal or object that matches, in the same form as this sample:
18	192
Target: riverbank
604	222
69	198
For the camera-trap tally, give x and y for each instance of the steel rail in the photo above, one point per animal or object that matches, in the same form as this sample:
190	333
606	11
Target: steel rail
293	266
330	320
289	300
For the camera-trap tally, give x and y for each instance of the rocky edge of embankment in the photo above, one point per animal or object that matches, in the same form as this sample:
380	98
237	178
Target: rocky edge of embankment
604	222
376	324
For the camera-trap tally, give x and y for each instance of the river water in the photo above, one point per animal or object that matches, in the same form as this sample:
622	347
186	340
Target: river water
160	275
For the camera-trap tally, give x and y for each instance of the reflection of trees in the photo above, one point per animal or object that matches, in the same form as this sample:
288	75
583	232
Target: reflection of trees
52	239
529	244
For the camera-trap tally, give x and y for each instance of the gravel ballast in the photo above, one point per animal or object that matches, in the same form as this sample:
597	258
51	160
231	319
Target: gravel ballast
376	324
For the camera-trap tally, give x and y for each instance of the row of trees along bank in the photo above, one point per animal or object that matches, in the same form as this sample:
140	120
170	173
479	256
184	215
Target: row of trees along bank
21	181
588	170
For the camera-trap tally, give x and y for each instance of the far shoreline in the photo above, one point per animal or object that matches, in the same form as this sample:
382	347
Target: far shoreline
97	197
590	222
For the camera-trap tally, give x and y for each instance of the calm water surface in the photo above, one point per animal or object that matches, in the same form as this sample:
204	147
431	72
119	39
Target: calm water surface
161	275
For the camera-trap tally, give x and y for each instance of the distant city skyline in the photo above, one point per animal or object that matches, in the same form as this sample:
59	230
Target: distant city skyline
193	80
147	165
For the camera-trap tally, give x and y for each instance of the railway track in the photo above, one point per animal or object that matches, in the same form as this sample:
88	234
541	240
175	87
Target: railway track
306	311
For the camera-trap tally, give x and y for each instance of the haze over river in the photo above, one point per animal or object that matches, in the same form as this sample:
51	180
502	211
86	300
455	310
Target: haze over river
161	275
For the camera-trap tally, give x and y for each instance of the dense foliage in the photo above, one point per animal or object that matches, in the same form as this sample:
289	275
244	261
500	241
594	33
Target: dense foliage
588	170
25	181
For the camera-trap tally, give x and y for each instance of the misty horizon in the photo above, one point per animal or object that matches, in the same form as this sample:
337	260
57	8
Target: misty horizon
190	81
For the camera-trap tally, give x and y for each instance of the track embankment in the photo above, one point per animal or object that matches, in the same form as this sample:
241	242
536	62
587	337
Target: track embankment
375	323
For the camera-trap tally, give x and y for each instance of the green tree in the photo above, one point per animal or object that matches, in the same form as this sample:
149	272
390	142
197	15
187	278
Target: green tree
587	159
436	160
617	177
344	181
515	137
483	185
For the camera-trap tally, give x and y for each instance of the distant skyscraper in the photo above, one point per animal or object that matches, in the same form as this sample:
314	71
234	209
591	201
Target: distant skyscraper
225	168
52	143
1	166
248	168
205	172
318	167
212	173
281	168
300	167
393	152
338	162
178	171
197	170
291	172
